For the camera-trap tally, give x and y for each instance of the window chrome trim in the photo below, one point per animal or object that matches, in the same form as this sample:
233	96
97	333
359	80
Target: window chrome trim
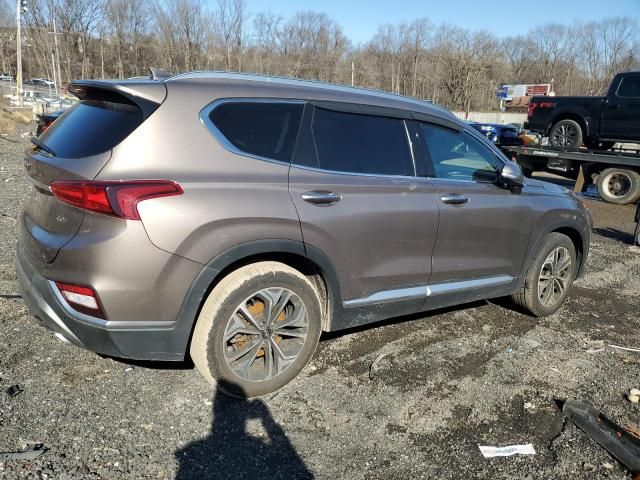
354	174
425	291
224	141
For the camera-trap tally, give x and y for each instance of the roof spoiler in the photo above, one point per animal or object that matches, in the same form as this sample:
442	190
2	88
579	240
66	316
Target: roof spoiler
146	94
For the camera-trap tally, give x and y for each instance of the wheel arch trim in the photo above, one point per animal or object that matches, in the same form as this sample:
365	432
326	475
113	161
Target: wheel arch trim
574	231
216	269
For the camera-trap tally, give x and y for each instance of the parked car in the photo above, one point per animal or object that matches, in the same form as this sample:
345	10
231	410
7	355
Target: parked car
44	121
596	122
42	82
6	77
233	218
498	133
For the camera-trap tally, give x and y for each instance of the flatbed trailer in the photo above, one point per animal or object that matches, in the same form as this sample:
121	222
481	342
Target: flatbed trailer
615	172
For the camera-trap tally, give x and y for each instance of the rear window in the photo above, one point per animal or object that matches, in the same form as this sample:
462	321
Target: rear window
629	87
265	129
355	143
91	127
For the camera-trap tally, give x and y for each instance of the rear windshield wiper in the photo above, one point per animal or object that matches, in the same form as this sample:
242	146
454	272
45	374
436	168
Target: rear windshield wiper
38	143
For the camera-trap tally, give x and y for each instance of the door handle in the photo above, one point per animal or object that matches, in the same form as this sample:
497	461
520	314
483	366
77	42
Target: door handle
454	199
321	197
613	106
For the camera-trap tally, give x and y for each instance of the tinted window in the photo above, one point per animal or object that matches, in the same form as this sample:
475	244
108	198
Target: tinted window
266	129
356	143
91	127
458	155
629	87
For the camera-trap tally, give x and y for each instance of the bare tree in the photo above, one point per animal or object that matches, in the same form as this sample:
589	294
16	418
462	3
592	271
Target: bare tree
457	67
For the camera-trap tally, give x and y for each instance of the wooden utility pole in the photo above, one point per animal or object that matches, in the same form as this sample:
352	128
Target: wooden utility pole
55	40
353	72
18	54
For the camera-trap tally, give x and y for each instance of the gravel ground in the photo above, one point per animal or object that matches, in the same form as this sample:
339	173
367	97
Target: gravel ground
476	375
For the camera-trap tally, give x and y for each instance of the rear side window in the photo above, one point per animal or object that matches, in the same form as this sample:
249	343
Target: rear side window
265	129
458	155
629	87
356	143
91	127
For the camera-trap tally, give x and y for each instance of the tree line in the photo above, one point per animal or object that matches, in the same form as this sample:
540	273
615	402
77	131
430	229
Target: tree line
455	67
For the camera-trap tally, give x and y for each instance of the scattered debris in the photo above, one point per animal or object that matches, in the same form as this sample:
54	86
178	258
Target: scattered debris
594	314
618	442
595	346
490	452
531	343
634	395
14	390
486	328
373	368
30	453
628	349
128	369
635	431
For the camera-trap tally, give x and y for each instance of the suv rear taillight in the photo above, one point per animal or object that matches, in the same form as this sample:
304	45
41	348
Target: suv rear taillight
530	109
81	298
118	199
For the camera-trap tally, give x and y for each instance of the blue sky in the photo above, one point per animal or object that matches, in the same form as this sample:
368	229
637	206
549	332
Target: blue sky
360	18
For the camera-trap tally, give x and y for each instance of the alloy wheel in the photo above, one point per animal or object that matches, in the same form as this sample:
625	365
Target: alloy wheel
565	136
554	277
265	334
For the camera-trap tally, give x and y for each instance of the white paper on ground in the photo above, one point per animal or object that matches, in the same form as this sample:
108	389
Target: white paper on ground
490	452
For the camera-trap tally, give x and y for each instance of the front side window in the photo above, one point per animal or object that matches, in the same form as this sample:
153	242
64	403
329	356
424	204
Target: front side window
629	87
265	129
366	144
458	155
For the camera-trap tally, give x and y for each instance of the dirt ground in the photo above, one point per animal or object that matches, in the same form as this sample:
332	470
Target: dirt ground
480	374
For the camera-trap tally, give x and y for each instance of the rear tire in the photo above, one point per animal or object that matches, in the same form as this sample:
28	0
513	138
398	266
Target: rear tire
619	185
549	277
267	310
566	134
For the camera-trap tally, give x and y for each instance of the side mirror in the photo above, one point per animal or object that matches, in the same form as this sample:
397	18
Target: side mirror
511	177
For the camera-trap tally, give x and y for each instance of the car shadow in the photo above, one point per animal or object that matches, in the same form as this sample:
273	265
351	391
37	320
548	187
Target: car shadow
615	234
230	451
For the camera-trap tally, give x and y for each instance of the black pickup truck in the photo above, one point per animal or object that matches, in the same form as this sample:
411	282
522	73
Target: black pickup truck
596	122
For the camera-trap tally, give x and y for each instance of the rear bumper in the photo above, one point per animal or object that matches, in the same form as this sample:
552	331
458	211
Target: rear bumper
144	340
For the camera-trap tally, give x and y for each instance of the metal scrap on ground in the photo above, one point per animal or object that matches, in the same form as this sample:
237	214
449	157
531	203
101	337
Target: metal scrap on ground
619	442
31	453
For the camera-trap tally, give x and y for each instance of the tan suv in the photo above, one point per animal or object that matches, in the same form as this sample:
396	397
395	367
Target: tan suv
235	217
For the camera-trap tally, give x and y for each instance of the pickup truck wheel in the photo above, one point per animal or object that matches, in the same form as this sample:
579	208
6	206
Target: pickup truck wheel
566	134
619	185
257	329
549	277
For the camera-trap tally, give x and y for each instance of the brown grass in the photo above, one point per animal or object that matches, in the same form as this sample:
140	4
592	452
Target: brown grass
10	119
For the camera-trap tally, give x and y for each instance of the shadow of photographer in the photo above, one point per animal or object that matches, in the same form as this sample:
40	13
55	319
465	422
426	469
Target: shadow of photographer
229	451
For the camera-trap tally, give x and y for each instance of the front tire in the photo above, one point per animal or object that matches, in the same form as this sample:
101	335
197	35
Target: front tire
619	185
549	277
566	134
257	330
